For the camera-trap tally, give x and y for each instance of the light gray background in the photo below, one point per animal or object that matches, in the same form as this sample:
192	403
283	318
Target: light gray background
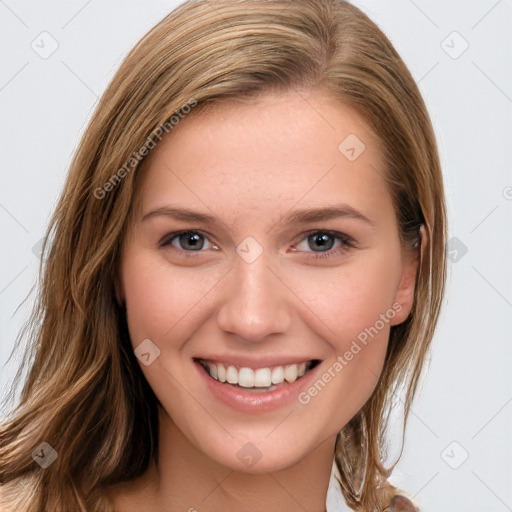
465	405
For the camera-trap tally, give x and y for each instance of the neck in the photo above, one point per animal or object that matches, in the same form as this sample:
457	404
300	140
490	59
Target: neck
186	479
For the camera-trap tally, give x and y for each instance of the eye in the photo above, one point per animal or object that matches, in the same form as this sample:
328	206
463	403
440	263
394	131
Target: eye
328	243
323	243
188	241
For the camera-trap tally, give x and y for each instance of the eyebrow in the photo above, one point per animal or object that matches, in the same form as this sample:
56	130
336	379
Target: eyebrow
297	217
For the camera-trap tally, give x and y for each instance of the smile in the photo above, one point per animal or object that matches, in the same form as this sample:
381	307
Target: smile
262	379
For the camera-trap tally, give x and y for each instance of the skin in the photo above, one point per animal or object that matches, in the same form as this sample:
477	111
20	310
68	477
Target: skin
249	164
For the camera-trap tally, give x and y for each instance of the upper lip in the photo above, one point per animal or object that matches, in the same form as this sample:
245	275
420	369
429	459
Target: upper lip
255	362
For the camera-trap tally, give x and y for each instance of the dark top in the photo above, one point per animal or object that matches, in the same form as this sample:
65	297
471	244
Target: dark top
400	503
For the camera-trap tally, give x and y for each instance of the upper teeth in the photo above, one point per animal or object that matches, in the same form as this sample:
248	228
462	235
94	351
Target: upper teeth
261	377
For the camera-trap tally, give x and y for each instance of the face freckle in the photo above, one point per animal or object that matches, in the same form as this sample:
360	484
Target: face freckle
266	235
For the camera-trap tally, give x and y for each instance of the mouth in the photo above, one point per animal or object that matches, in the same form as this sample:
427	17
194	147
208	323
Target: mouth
257	379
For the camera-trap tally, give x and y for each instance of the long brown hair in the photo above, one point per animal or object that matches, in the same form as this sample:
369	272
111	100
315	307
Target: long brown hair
85	394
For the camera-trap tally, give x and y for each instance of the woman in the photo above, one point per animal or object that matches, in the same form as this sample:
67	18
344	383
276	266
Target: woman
247	260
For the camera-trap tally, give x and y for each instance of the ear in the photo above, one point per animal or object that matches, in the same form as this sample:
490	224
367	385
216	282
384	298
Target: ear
404	295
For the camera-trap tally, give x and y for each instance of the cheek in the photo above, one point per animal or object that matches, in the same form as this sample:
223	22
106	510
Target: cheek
159	297
355	306
352	308
352	299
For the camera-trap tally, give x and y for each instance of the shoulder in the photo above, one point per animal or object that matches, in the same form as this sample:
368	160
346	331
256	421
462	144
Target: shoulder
400	503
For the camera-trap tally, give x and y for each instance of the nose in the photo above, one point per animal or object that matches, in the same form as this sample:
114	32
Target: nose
255	302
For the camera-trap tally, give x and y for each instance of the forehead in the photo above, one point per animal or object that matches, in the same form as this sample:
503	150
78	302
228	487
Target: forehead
254	157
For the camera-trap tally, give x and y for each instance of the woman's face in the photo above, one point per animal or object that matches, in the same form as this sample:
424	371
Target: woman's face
266	246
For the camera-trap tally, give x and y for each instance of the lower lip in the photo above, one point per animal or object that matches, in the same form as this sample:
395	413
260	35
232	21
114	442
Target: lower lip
255	402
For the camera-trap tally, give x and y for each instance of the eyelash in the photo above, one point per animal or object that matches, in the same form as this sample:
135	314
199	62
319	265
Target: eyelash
346	243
